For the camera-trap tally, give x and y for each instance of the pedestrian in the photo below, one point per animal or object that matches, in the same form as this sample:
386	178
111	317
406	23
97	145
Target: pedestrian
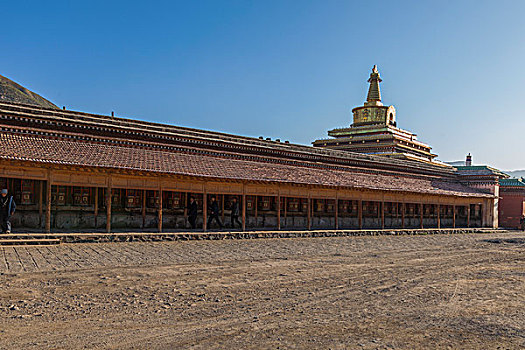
214	207
235	213
522	222
7	209
192	212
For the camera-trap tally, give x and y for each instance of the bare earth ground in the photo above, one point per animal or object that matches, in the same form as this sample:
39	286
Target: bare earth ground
402	292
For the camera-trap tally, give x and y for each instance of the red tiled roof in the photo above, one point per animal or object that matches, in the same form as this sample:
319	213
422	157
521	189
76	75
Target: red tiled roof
90	154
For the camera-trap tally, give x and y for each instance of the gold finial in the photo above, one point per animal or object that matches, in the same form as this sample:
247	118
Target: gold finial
374	94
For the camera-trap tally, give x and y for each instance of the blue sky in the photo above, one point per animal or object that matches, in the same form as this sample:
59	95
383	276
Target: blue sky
283	69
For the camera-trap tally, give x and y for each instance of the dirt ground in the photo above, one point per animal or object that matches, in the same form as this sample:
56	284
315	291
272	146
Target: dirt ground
386	292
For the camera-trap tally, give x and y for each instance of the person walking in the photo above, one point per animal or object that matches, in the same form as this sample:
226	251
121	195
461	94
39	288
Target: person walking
193	209
214	207
235	213
7	209
522	223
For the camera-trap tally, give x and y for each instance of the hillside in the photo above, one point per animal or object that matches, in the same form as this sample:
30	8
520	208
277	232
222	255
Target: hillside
13	92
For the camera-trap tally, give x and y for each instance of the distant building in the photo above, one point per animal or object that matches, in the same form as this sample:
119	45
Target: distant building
512	202
374	131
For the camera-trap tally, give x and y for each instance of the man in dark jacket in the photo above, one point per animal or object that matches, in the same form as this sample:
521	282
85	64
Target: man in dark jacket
235	213
214	207
7	209
192	212
522	223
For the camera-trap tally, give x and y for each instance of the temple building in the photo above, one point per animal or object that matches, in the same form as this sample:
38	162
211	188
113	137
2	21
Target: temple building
71	170
512	202
375	131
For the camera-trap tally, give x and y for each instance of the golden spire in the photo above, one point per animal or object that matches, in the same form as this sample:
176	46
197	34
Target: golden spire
374	95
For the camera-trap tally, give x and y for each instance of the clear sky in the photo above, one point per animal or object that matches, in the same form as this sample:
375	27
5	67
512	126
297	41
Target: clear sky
283	69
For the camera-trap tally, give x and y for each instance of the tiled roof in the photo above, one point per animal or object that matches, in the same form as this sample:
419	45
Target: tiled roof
512	182
40	149
480	170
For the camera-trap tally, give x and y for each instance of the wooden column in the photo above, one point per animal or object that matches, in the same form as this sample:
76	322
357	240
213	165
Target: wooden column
243	208
454	216
468	215
382	215
421	215
40	203
309	212
159	213
143	208
108	205
360	213
95	211
482	212
204	210
48	203
279	211
222	208
285	211
336	212
185	208
403	210
256	210
439	216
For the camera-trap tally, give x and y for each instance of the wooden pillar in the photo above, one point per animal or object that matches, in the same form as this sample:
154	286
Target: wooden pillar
482	212
185	208
95	211
468	215
454	216
439	216
108	205
309	212
40	203
336	211
48	203
279	211
256	209
285	211
403	210
421	206
159	213
222	208
204	210
360	213
143	208
382	215
243	208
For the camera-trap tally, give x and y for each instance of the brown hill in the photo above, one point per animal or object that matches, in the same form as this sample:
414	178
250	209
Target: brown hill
13	92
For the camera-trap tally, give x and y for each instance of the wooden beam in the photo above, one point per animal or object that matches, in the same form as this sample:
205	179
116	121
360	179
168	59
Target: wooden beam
160	209
48	202
108	205
360	213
